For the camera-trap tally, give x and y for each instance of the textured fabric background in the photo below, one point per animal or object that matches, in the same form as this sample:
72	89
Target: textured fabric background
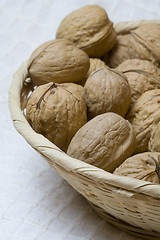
36	203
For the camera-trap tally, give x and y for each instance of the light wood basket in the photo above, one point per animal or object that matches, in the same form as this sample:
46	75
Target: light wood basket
131	205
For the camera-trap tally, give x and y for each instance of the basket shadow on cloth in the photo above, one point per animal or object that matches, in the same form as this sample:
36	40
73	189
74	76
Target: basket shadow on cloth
130	204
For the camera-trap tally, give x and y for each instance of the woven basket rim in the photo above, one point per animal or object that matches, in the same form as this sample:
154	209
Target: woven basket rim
54	154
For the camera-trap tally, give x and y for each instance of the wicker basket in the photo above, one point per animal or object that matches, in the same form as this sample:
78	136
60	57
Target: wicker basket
130	204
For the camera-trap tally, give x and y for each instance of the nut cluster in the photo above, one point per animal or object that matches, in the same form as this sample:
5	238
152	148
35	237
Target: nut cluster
97	94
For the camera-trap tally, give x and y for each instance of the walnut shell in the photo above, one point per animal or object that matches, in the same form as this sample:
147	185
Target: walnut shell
142	76
140	43
143	166
145	43
95	64
107	90
90	29
154	142
119	53
143	113
105	141
57	111
58	61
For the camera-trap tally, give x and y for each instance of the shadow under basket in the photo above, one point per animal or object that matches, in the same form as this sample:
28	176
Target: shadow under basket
130	204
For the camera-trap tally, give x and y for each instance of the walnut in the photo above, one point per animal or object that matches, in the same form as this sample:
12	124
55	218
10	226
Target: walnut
105	141
58	61
90	29
143	166
107	90
57	111
95	63
142	115
154	142
140	43
145	43
119	53
142	76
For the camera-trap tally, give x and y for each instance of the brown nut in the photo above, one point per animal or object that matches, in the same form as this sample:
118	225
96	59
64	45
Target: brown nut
140	43
90	29
58	61
105	141
107	90
142	115
145	43
119	53
142	76
143	166
154	142
95	63
57	111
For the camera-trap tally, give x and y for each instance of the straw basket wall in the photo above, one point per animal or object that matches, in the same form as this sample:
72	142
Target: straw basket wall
130	204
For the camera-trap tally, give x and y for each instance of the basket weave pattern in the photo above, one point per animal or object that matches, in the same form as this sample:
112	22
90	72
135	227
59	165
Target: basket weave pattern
130	204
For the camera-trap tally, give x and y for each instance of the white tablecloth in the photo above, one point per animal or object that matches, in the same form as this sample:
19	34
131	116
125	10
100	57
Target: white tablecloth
35	202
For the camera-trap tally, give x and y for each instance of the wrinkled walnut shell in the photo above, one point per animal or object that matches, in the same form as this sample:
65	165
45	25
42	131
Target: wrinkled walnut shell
142	76
142	115
119	53
107	90
154	142
90	29
58	61
57	111
95	64
140	43
144	166
145	43
105	141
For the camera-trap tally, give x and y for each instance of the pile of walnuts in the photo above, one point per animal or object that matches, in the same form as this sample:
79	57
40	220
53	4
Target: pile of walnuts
97	95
